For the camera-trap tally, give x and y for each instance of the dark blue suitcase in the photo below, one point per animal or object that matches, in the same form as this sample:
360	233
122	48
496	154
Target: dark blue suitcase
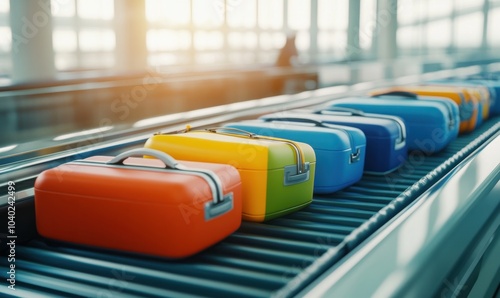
385	135
431	123
340	150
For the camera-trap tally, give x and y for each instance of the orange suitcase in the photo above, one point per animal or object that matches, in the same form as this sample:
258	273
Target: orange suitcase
157	206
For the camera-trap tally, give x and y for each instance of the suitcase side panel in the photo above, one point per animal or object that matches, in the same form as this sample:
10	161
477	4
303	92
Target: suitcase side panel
283	199
334	170
287	199
451	106
476	109
382	154
254	192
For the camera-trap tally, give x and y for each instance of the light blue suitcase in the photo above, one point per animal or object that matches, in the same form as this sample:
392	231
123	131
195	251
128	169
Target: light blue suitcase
340	150
431	122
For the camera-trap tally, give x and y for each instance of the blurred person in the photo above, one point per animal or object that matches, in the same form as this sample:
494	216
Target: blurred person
288	53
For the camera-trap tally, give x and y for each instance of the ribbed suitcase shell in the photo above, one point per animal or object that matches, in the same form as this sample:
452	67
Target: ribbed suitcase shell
468	105
431	124
385	137
340	150
139	206
274	183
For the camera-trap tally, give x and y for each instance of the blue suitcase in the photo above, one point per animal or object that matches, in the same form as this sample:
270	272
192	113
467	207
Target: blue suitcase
385	136
493	84
340	150
483	96
431	123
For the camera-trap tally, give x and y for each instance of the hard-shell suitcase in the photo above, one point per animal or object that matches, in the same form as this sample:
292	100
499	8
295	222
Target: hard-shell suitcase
478	91
431	124
493	85
158	207
340	150
385	136
468	106
277	174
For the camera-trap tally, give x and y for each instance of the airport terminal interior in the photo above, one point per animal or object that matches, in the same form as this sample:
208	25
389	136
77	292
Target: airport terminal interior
213	88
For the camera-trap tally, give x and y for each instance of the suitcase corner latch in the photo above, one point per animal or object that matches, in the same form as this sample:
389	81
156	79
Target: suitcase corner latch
354	157
293	176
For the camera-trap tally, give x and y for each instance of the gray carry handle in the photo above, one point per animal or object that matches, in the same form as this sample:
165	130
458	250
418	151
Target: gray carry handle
332	110
231	129
219	205
406	94
294	119
168	160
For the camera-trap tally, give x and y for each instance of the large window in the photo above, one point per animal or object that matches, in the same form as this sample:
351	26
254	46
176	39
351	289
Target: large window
493	24
88	34
444	26
468	31
332	25
83	34
367	24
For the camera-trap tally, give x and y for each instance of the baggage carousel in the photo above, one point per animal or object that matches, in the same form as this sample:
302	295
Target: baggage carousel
292	255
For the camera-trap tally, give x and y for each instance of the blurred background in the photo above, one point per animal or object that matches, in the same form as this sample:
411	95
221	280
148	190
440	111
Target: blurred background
164	34
68	65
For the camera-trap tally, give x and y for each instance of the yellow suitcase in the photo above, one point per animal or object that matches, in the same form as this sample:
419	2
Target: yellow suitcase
277	175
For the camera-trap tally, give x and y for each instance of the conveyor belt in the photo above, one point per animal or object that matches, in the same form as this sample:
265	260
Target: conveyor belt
278	257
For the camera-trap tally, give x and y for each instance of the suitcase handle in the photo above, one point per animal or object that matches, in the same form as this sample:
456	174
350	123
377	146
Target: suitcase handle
231	129
168	160
220	204
408	95
295	119
331	110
